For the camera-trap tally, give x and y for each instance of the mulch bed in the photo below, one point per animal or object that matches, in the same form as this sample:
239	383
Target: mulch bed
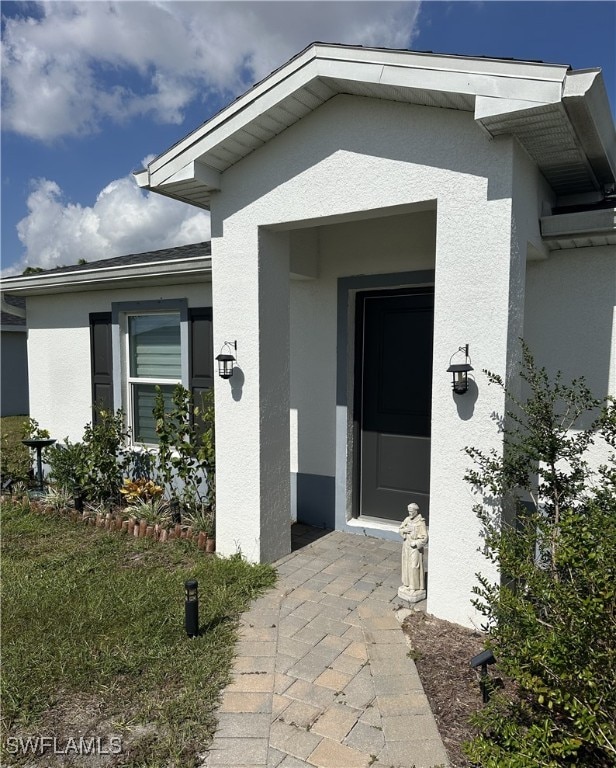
442	654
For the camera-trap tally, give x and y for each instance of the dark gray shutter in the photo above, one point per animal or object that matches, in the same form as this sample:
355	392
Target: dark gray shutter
201	352
101	359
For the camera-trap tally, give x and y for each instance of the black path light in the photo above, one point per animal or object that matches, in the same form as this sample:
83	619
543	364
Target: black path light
191	608
482	660
78	498
460	371
226	360
176	515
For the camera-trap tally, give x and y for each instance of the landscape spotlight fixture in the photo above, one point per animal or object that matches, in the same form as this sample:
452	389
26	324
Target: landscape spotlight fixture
460	371
482	660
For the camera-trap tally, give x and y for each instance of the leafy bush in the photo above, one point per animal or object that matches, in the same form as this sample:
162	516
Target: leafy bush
97	465
15	458
15	461
59	499
186	448
154	511
107	457
67	466
201	519
140	489
549	524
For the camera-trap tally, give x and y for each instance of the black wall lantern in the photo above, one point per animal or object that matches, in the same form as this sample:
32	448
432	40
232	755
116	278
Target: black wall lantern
191	608
226	360
459	371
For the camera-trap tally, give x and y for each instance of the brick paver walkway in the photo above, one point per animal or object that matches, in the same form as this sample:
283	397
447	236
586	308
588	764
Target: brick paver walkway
322	677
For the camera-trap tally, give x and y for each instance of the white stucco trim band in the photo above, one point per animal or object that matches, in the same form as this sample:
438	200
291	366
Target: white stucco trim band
580	229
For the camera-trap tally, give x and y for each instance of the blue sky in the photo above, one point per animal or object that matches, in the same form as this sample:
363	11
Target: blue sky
91	89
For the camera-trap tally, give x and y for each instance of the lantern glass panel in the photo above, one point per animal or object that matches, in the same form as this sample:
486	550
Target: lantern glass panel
191	590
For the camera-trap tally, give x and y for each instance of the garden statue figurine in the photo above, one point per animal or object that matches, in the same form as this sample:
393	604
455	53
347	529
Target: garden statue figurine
415	537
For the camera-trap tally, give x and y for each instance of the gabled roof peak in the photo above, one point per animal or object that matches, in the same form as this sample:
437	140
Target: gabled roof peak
537	102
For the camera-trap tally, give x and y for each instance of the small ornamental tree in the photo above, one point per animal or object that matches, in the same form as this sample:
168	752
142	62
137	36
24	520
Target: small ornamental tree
186	450
106	458
549	524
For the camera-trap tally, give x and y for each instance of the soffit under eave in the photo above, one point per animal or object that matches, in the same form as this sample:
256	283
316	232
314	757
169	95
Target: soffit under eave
193	192
546	133
235	147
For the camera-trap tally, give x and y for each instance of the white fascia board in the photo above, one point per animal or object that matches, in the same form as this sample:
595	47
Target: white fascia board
227	112
444	62
219	131
474	84
195	171
535	82
142	177
492	106
598	222
96	279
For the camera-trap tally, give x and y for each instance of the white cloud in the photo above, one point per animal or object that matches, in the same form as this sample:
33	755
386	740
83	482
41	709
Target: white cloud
123	220
78	63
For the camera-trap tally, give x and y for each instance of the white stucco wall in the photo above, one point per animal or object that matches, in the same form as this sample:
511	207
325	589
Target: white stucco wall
570	323
59	350
358	157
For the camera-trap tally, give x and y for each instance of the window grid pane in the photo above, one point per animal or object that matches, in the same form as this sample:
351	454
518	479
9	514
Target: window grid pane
144	398
154	346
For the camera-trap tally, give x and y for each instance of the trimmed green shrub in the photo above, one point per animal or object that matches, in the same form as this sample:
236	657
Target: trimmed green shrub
96	466
67	466
549	524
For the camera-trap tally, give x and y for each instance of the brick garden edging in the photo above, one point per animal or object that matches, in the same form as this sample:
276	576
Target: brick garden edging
132	526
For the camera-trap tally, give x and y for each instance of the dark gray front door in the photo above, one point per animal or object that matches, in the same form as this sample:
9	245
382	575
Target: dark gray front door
393	400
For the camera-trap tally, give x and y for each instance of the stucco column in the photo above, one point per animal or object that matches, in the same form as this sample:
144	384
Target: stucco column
479	300
251	305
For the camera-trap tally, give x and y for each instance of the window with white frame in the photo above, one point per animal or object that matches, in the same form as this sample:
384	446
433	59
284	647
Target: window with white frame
153	358
142	344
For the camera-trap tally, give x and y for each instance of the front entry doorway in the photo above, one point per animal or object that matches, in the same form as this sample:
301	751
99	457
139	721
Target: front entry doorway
393	394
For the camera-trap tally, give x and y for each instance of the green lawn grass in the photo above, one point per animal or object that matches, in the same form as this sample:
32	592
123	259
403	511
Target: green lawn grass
92	614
